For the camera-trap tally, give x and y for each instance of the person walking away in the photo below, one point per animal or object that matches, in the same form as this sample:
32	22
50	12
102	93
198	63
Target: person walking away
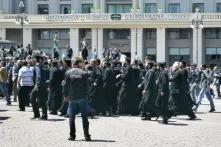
76	91
24	84
39	94
3	82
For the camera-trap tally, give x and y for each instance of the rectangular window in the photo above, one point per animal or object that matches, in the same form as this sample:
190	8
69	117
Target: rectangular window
174	8
43	35
151	34
119	8
210	51
179	51
86	8
119	34
179	54
151	51
65	8
184	51
174	51
214	33
219	51
218	7
43	9
64	35
179	34
150	8
200	6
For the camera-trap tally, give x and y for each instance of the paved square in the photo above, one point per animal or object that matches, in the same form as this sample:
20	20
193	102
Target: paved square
17	130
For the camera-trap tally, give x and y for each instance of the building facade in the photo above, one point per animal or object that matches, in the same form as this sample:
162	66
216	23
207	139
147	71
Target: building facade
165	30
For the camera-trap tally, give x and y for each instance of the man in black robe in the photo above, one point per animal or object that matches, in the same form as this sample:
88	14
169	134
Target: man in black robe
163	93
109	88
179	102
127	93
55	89
147	104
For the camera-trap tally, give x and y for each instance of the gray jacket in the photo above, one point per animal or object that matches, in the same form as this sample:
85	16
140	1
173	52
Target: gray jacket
76	84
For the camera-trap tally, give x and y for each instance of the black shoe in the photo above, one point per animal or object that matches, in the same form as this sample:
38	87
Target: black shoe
34	117
61	114
212	110
146	118
43	118
21	110
192	117
88	138
71	138
163	122
8	104
53	113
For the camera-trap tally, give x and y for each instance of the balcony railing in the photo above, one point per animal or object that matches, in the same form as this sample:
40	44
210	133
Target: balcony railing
105	17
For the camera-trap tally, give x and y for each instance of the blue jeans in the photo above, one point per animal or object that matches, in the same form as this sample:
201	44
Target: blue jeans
205	91
79	106
194	91
4	91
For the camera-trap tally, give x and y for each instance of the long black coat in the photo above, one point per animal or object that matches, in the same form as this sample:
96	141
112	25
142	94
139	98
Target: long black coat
150	87
109	86
55	88
178	102
163	86
96	91
128	92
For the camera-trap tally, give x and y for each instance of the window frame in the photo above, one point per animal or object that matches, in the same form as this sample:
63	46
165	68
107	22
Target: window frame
38	6
173	4
150	4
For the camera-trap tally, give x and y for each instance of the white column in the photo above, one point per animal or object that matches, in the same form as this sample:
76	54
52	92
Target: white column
2	34
54	7
133	43
102	6
141	5
100	48
94	38
134	4
200	46
140	44
162	5
197	46
161	45
74	41
96	4
195	54
27	37
76	6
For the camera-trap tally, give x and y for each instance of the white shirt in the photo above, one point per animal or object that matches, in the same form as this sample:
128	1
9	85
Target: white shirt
26	75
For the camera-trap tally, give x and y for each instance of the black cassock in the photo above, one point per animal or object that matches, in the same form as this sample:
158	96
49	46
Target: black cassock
96	90
109	89
179	102
55	88
162	100
128	93
148	100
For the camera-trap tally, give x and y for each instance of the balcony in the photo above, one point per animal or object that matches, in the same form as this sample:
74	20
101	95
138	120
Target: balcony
106	18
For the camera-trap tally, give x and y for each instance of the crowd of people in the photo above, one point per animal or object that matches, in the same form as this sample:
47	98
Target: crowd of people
106	87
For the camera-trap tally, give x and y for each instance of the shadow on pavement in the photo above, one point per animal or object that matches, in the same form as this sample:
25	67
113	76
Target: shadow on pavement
177	124
4	118
56	120
197	119
3	110
200	112
215	112
97	140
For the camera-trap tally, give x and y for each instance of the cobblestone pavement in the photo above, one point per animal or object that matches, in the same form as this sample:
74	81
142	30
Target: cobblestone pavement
17	130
